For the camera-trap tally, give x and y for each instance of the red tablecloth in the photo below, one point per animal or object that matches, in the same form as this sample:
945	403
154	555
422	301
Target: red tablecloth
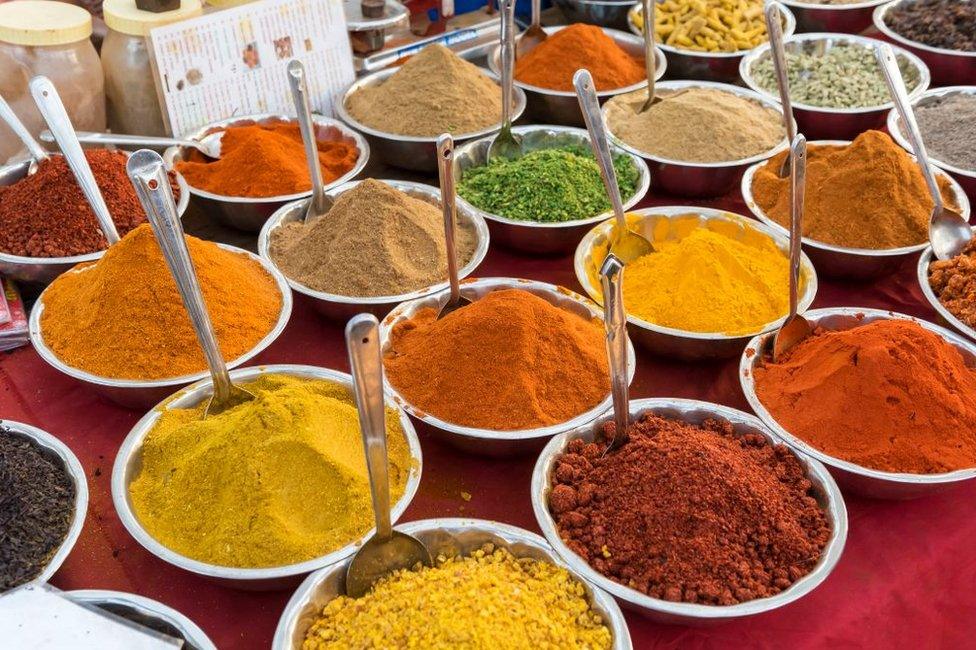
906	579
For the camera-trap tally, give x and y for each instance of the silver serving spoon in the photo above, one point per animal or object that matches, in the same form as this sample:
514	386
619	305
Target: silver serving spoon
615	322
208	145
795	328
628	245
320	202
949	232
148	176
445	168
387	550
534	35
506	145
774	27
34	148
650	61
52	110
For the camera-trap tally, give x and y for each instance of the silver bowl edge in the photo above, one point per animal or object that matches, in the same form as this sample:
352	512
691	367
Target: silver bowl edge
926	258
851	18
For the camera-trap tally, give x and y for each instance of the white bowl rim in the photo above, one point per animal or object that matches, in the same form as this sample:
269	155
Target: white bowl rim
879	23
898	135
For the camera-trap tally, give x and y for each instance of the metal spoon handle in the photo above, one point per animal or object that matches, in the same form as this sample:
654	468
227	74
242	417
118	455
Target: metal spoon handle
615	321
536	14
798	178
366	361
148	175
508	61
90	137
774	26
650	61
303	107
590	105
49	104
34	148
445	169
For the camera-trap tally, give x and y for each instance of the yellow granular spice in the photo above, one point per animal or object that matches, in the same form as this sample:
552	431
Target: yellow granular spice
274	481
488	600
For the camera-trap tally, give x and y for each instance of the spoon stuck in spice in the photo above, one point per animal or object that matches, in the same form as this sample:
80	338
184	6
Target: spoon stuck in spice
534	35
320	202
209	145
650	61
615	323
506	145
445	168
34	148
774	27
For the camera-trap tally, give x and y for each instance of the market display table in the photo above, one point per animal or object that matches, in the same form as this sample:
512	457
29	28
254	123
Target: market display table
906	579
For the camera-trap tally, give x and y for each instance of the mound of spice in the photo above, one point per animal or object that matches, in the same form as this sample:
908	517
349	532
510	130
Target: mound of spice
434	92
552	63
695	125
546	185
261	160
488	599
510	360
273	481
889	395
948	127
122	317
868	194
708	25
954	283
47	215
949	24
374	241
688	513
37	503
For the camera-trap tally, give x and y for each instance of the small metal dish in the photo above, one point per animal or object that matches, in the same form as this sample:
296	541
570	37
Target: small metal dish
945	316
706	66
546	105
146	612
851	477
537	237
604	13
342	308
840	261
489	442
448	537
408	151
675	222
851	18
948	67
143	393
824	122
58	452
247	213
128	463
694	412
699	179
42	270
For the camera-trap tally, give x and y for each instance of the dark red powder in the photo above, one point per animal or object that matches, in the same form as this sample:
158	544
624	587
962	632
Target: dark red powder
687	513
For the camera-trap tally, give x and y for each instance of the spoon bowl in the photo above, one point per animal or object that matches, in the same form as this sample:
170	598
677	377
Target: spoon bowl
506	145
534	35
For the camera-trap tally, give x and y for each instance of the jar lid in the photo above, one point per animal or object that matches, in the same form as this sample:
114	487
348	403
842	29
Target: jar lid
123	16
43	22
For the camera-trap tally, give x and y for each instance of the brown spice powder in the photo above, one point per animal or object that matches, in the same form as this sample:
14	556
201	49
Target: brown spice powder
954	283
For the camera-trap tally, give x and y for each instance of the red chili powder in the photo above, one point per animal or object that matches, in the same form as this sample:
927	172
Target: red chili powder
689	513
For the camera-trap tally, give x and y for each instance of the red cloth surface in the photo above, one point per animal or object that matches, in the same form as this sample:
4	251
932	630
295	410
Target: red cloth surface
906	578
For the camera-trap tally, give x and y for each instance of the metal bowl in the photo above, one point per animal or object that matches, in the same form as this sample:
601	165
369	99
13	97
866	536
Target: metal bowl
605	13
408	151
42	270
699	179
966	177
707	66
247	213
342	308
694	412
852	477
58	452
840	261
945	316
489	442
948	66
675	222
851	18
825	122
128	462
448	537
143	393
546	105
536	237
146	612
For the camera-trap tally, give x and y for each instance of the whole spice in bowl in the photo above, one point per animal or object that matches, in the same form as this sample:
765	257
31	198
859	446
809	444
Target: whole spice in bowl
948	24
948	126
708	25
954	283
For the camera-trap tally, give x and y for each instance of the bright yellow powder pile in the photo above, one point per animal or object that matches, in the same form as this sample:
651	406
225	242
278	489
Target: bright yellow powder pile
486	601
274	481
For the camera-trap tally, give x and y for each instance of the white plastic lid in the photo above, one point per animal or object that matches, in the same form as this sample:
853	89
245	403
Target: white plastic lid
43	22
123	16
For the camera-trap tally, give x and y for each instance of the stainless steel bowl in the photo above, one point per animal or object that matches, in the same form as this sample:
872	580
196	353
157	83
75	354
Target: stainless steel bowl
675	222
408	151
851	18
694	412
821	121
59	453
489	442
342	308
945	316
966	177
146	612
707	66
852	477
249	214
128	462
605	13
695	179
143	393
550	106
840	261
448	537
948	67
42	270
536	237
